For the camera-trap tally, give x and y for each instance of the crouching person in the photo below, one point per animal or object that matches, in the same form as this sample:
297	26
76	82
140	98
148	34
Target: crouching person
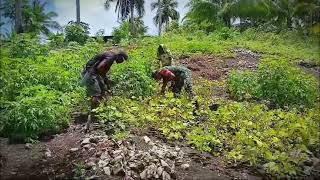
179	77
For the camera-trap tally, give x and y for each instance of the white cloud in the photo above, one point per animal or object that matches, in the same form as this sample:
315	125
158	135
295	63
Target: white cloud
94	13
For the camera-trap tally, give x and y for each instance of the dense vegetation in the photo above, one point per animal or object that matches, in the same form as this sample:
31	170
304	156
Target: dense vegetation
277	82
270	121
40	88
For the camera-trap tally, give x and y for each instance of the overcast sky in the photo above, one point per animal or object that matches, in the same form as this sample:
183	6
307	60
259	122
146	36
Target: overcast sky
94	13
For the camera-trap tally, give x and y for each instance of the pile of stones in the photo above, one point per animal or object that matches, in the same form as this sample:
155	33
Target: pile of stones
127	159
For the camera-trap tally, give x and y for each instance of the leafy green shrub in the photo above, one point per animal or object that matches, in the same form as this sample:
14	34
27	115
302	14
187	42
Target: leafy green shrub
277	82
58	71
26	46
283	85
226	33
173	27
77	32
243	85
57	40
99	35
175	115
74	46
51	72
123	32
37	111
203	140
205	26
131	80
278	140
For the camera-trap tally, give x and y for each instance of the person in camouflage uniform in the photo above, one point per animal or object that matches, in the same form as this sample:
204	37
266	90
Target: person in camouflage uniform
164	56
179	76
94	76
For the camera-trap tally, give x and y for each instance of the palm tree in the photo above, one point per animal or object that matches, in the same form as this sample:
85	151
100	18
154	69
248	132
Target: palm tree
204	10
308	12
126	7
215	10
38	21
288	11
251	10
281	12
78	11
166	11
14	10
29	17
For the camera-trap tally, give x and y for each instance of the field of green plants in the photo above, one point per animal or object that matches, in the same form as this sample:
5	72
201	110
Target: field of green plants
256	75
270	121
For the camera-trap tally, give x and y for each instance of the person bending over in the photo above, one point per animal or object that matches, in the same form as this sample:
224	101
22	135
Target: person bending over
179	77
95	78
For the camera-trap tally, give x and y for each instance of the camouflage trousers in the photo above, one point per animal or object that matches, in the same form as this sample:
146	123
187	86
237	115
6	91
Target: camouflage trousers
95	84
186	83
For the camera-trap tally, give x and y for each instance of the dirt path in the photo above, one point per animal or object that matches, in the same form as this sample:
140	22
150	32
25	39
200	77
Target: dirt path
310	68
74	153
36	161
17	160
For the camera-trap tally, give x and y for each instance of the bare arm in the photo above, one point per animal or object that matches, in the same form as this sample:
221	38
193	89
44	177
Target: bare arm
102	64
166	77
164	85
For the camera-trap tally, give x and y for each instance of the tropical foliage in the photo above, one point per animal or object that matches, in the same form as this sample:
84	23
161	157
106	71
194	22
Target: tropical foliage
277	82
77	32
34	18
126	9
280	13
165	12
122	33
39	21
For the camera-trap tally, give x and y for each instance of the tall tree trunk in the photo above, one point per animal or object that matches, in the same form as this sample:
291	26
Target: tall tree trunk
132	18
18	17
78	11
159	29
160	7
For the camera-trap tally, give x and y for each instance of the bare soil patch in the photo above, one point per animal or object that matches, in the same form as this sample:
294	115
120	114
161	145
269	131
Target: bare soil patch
216	68
42	160
310	68
19	162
